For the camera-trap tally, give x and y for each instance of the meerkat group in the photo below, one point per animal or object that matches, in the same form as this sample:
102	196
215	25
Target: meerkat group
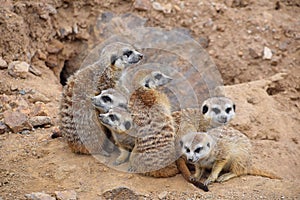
155	141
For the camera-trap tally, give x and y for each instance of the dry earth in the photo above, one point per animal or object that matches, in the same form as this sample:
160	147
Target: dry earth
54	36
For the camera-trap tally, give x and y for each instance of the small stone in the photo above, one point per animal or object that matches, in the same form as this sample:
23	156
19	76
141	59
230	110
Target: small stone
275	60
119	192
157	6
13	87
41	55
52	61
39	196
204	42
65	31
37	96
16	121
35	71
55	47
142	5
18	69
66	195
82	36
267	54
3	128
254	53
3	63
283	46
39	109
39	121
163	195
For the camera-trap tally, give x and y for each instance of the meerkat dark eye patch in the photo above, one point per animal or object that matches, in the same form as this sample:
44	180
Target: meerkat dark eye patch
233	107
187	149
204	109
228	110
216	110
113	59
127	125
158	76
208	145
113	117
181	143
106	99
198	149
127	53
147	83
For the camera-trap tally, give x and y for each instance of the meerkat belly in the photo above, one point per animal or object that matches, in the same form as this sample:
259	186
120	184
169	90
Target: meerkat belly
125	141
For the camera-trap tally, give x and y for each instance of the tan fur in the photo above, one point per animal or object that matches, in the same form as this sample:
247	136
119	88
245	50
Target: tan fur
229	151
79	123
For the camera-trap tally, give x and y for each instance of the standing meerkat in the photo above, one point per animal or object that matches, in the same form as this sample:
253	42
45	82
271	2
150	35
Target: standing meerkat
220	149
155	135
119	122
78	119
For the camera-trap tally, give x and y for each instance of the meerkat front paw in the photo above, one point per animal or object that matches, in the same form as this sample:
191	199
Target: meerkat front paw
210	180
194	178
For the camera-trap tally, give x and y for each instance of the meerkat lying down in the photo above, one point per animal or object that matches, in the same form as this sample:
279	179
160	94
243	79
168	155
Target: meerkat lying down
220	149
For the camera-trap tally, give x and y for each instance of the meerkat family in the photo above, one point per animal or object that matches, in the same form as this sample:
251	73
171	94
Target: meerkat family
79	122
221	149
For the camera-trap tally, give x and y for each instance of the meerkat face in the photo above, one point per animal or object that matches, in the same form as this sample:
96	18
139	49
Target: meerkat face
127	57
117	120
108	99
195	146
156	79
220	110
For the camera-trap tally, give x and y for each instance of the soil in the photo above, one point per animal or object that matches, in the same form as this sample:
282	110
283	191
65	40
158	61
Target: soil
54	36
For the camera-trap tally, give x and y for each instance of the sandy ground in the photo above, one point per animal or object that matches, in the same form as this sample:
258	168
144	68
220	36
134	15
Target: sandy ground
234	33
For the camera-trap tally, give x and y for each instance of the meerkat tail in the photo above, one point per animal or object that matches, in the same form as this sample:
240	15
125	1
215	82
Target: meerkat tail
258	172
184	170
168	171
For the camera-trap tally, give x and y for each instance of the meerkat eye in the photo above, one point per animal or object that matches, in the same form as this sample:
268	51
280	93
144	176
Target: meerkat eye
216	110
106	99
208	145
158	76
127	125
204	109
228	110
198	149
127	53
187	150
233	107
113	117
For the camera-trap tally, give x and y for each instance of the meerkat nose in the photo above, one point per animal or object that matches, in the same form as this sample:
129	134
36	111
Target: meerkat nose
190	159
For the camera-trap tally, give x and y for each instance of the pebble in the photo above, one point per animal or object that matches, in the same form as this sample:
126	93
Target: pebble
37	96
39	109
204	42
18	69
35	71
16	121
55	47
254	53
3	128
167	8
52	61
118	192
65	31
267	54
66	195
163	195
142	5
38	121
39	196
3	63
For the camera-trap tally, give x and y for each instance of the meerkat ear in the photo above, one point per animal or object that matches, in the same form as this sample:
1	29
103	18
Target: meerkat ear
233	107
127	125
113	59
204	109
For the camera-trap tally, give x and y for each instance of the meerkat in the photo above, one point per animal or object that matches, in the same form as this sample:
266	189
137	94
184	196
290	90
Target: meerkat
155	135
219	110
220	149
79	123
119	122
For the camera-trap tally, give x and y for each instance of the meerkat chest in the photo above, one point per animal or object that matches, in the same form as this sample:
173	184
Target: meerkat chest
207	162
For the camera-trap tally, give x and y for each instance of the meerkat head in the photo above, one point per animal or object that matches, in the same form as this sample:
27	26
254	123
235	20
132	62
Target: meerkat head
196	146
108	99
155	79
125	57
117	120
219	110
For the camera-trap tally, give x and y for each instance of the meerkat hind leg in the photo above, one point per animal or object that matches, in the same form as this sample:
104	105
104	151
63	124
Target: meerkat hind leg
217	168
226	177
122	157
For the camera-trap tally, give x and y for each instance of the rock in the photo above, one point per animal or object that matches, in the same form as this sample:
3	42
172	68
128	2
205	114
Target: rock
47	10
120	193
55	47
41	55
66	195
35	71
163	195
3	63
65	31
142	5
38	121
167	8
18	69
254	53
3	128
37	96
39	109
16	121
283	46
52	61
267	54
204	42
39	196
